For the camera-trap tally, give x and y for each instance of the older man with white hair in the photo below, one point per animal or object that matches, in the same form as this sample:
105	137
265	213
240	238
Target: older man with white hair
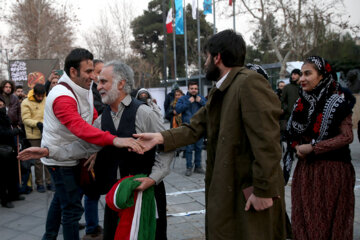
124	116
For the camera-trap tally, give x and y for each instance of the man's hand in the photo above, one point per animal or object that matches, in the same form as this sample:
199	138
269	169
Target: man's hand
149	140
33	153
146	182
91	162
191	99
130	143
258	203
198	98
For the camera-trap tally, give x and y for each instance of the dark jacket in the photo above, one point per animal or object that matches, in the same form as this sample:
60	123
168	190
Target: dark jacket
188	109
168	100
98	104
241	120
290	94
7	134
14	111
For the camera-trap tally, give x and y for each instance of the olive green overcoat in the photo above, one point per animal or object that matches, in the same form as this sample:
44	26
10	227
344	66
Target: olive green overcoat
240	120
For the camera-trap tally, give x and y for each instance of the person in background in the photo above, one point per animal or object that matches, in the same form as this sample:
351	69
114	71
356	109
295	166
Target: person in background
32	115
144	95
9	174
19	92
176	119
53	80
187	106
170	98
12	103
98	104
280	86
320	131
290	93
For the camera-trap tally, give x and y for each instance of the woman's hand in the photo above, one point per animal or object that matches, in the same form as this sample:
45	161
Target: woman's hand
303	150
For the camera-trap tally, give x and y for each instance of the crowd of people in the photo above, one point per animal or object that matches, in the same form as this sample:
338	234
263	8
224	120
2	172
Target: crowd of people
87	121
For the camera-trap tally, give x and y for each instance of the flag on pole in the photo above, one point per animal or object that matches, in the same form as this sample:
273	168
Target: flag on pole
194	7
230	2
207	7
179	17
169	19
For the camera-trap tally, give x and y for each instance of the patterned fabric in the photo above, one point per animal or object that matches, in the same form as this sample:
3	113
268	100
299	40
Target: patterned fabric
317	114
322	196
259	69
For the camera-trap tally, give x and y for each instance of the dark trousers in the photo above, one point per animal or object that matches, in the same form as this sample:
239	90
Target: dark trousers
9	179
65	207
111	217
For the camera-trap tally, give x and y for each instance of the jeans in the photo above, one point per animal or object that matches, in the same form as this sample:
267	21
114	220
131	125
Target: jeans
188	153
91	213
65	207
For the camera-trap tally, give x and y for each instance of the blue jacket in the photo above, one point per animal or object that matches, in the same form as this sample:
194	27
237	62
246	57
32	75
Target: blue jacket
187	108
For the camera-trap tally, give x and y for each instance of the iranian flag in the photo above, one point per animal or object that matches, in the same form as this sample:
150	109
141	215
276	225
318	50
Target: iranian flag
136	209
169	20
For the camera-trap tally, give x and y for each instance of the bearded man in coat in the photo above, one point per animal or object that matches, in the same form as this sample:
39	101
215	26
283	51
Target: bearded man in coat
241	121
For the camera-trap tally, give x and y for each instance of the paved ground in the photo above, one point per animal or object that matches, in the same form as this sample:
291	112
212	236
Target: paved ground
185	195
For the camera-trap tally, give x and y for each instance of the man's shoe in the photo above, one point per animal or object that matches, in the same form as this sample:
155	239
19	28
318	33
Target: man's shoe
40	188
82	226
19	198
97	234
188	172
93	237
199	170
50	187
8	205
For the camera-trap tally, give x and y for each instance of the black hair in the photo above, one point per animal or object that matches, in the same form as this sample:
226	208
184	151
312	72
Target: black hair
4	82
96	61
230	45
39	89
19	86
281	81
192	83
75	57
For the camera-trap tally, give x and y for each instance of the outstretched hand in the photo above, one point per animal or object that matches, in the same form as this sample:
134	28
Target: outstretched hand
130	143
33	153
149	140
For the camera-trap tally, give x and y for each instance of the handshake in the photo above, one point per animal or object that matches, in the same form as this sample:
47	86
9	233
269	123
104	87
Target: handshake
141	143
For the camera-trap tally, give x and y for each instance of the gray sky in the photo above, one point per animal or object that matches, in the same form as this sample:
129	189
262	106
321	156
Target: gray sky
88	13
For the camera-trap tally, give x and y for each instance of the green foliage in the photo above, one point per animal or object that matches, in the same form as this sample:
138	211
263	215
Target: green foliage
149	40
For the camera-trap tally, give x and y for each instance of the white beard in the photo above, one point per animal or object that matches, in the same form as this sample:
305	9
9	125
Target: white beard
110	95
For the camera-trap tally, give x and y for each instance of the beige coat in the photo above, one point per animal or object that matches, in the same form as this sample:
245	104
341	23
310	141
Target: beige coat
241	123
32	112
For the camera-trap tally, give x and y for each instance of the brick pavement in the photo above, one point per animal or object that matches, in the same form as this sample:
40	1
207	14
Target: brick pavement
27	220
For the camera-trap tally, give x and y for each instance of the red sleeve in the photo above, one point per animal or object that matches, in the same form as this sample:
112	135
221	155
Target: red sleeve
65	109
95	115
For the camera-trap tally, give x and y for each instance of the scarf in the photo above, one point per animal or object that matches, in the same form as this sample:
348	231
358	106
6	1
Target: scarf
136	221
317	114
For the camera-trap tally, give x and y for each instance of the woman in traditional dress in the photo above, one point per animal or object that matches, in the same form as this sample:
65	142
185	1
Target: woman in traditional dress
320	131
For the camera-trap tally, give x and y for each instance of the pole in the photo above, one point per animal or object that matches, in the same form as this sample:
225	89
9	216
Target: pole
199	54
165	39
234	15
185	41
214	17
18	150
174	43
7	60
